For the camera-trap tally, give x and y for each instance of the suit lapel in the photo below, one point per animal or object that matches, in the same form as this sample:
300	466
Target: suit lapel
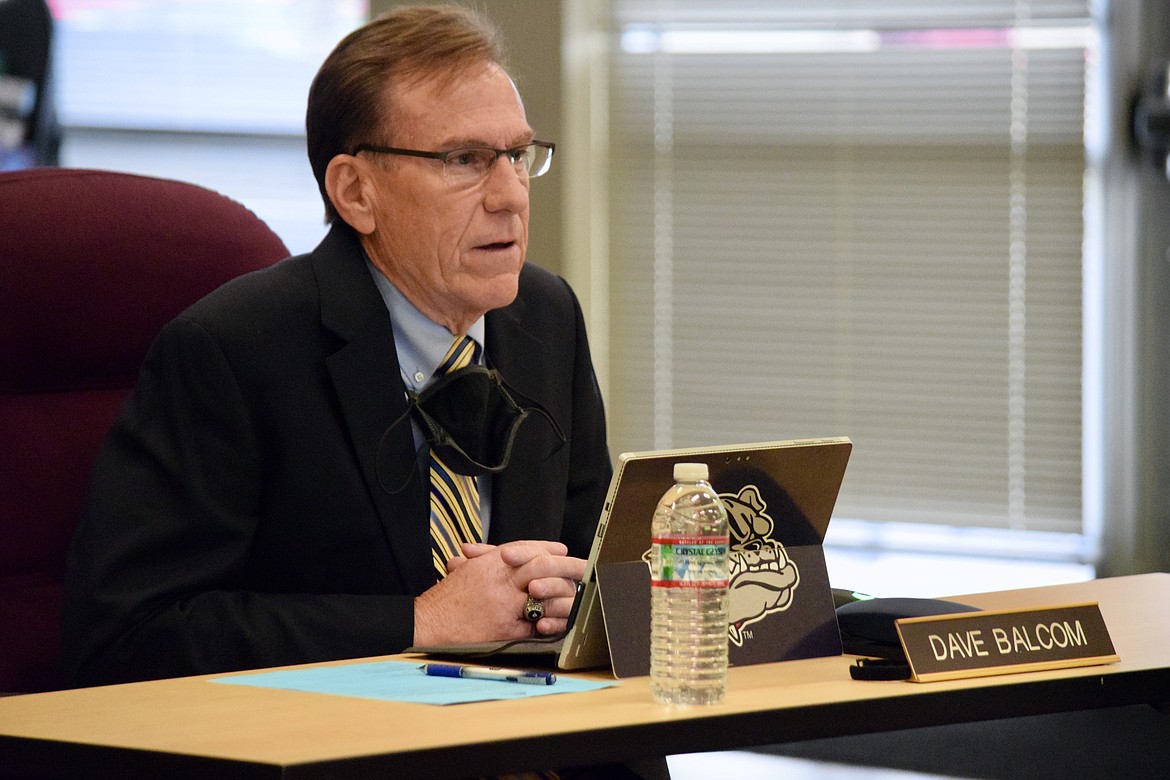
371	395
523	363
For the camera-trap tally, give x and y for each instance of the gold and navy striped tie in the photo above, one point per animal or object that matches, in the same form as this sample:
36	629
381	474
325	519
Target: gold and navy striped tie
454	497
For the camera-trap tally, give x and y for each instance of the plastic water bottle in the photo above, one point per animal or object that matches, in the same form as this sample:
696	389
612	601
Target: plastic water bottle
688	591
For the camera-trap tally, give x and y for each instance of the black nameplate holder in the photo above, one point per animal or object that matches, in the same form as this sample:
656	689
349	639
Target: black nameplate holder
980	644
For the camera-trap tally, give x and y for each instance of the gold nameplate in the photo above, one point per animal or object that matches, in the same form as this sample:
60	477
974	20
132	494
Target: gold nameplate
980	644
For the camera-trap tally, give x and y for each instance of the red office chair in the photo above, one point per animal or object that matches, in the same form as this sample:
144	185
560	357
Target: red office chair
92	265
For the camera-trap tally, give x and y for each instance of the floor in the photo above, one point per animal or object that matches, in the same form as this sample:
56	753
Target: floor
756	766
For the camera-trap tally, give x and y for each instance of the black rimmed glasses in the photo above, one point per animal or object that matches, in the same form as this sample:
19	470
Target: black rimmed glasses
472	164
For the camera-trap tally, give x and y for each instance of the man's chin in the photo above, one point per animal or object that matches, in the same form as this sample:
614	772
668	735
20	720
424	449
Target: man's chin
498	291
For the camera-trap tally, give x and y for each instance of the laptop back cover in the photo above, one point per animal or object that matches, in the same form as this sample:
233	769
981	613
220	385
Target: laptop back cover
780	498
798	480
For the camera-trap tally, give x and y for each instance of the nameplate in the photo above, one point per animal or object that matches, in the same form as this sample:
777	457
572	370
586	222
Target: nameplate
980	644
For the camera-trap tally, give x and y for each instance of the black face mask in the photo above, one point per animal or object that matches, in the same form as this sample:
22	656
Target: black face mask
468	418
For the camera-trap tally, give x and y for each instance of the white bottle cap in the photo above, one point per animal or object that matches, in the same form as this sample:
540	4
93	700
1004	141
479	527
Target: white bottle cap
690	472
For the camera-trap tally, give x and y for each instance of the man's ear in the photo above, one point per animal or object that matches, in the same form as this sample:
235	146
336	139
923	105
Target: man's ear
347	180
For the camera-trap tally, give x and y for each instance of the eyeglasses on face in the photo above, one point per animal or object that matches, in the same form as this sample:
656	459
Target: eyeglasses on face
472	164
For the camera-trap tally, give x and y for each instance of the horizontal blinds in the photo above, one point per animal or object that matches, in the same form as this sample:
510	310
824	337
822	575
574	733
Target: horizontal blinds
903	97
825	244
830	14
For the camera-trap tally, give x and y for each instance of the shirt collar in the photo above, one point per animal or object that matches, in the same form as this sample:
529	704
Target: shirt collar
421	343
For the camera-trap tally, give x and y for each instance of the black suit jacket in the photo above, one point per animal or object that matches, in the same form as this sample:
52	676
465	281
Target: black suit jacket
237	517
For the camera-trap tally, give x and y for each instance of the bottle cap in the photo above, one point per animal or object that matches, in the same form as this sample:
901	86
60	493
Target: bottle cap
690	472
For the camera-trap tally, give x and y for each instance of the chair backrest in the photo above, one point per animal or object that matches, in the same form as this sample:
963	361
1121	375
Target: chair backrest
92	265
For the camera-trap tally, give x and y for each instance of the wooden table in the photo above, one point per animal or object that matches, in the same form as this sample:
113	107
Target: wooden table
188	727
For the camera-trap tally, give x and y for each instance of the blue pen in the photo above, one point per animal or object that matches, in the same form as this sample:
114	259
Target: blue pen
489	673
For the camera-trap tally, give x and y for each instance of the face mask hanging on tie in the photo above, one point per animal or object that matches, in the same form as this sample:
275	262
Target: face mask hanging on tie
469	419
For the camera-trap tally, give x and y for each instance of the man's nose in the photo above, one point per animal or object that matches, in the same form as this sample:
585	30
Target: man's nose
506	188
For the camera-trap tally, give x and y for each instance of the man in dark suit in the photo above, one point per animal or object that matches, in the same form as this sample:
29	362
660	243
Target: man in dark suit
265	497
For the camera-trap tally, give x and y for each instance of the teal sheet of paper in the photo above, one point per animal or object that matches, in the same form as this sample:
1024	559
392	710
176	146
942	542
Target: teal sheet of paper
404	681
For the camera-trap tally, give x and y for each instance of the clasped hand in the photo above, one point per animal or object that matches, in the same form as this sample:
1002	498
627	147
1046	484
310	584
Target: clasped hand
482	597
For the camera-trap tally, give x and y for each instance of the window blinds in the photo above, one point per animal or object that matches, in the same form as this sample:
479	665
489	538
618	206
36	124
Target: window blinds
863	219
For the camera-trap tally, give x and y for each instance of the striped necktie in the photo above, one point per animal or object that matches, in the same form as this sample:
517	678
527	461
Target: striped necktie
454	497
